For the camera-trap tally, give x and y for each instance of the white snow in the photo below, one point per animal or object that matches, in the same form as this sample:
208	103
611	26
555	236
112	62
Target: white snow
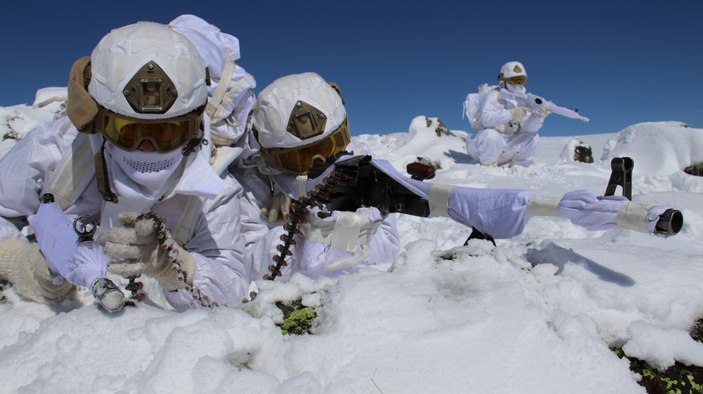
536	314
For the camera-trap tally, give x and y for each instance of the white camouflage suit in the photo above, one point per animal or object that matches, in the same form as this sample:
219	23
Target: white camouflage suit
214	237
500	138
350	239
215	242
311	257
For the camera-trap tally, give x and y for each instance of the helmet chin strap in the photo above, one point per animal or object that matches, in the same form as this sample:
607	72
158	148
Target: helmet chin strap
195	143
102	176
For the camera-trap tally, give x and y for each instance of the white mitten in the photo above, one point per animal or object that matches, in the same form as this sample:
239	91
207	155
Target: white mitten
22	263
518	113
278	207
135	250
544	112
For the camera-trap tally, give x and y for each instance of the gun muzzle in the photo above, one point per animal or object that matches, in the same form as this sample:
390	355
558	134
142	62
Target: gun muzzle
669	223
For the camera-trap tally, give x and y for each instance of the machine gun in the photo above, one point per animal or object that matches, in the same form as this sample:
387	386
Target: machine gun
376	188
360	181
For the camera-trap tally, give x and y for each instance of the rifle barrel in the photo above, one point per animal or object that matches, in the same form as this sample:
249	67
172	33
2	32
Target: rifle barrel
670	222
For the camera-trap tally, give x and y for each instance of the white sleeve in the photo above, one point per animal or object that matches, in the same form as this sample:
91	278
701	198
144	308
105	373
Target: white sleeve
29	163
308	257
533	122
315	255
493	113
262	252
385	244
220	253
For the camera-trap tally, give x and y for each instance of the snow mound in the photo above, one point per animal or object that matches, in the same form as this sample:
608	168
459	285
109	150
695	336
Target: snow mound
657	148
568	153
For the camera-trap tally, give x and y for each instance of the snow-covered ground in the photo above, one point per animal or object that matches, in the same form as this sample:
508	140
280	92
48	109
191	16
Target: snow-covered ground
536	314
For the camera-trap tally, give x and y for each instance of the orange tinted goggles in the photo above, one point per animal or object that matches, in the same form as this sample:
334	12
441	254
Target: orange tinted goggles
300	159
164	134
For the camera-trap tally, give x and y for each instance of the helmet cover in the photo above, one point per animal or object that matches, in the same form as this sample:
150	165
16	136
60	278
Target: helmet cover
512	69
148	71
297	110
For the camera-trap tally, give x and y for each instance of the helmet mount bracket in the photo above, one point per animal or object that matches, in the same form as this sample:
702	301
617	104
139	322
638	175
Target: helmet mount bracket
150	90
306	121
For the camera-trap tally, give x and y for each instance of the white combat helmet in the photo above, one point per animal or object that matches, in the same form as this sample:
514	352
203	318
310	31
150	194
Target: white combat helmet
297	110
512	69
148	71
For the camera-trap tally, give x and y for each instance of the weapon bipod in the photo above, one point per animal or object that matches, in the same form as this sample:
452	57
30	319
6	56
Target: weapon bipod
475	234
621	175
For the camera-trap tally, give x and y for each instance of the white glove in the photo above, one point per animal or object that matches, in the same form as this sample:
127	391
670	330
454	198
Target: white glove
349	232
278	207
134	250
544	112
22	263
517	114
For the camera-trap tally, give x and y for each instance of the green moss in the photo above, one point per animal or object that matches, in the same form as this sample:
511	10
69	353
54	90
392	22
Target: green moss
678	379
297	319
695	386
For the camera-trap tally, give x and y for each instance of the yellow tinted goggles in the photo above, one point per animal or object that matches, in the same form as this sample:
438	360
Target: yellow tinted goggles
164	134
521	80
300	159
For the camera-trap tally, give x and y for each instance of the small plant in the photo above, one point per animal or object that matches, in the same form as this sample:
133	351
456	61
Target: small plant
297	319
678	379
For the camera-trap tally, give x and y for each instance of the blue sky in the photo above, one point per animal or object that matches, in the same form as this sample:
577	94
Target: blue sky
618	62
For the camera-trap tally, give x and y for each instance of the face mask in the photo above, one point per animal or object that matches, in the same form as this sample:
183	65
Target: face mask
517	88
150	171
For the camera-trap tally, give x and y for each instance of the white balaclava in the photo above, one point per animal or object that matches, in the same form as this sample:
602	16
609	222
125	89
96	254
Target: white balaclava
517	88
149	172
